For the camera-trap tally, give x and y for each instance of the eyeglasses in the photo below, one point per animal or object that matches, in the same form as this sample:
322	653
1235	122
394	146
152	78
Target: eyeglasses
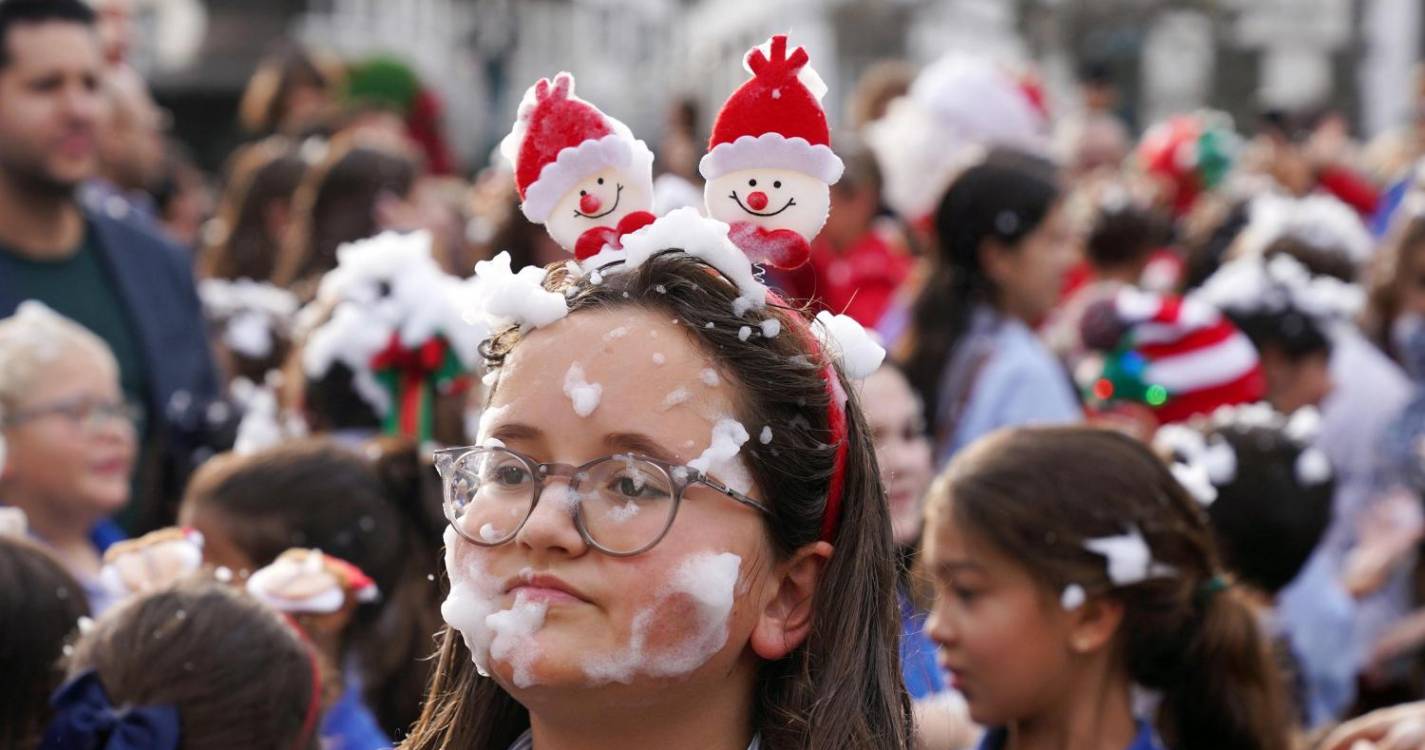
87	413
622	505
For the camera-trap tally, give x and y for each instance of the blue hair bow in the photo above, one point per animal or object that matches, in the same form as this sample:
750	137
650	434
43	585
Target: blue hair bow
85	719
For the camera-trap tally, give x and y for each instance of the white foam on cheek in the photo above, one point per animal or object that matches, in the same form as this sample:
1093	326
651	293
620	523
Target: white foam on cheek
471	600
709	580
514	641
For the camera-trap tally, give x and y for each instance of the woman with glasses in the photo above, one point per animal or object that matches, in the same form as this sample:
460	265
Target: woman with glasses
67	440
670	533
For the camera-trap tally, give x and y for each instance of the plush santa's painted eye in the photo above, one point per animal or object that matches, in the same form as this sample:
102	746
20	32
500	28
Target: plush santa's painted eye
583	193
601	180
752	183
777	184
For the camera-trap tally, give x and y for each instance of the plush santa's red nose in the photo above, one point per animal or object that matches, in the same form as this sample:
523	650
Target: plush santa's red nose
757	200
590	203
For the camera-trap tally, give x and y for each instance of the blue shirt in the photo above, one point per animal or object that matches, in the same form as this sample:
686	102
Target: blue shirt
1147	739
919	668
349	725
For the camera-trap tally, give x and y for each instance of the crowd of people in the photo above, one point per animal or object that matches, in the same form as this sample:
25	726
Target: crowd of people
336	448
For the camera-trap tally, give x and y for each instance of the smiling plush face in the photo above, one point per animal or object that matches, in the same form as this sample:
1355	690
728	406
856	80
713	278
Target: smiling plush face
770	198
600	200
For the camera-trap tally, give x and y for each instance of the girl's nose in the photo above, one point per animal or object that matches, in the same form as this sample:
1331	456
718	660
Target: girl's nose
757	200
590	203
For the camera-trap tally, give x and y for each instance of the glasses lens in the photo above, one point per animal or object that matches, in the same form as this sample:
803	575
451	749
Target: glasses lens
488	494
625	503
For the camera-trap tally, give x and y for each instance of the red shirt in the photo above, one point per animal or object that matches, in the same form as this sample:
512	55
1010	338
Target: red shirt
859	281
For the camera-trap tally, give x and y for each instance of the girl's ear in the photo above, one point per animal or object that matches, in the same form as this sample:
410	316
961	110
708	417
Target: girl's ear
1092	625
786	613
995	257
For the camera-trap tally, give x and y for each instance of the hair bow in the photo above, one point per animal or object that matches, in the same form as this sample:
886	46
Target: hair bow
86	719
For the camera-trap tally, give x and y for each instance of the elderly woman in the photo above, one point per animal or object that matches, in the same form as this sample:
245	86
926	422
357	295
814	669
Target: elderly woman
67	439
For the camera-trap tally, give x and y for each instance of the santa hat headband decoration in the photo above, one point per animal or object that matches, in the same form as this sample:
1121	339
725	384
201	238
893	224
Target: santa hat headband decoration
773	120
151	562
310	582
559	140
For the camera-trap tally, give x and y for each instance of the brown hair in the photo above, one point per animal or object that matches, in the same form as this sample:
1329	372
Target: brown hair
264	102
260	175
1405	242
40	605
314	493
842	687
238	674
1038	494
336	204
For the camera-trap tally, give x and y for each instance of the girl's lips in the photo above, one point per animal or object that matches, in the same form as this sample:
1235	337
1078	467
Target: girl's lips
110	467
546	595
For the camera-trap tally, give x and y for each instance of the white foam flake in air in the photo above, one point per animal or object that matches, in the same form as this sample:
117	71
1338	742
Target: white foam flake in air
708	581
584	395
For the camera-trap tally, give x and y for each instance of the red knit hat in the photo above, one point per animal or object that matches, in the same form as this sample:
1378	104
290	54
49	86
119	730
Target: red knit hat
773	120
559	139
1180	356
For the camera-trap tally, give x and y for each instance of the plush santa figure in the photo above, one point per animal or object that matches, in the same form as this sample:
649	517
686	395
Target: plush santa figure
151	562
769	167
579	172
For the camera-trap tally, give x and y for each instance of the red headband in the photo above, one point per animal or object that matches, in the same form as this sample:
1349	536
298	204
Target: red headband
835	420
314	704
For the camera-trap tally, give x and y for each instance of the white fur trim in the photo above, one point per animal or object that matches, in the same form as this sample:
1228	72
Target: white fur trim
575	163
772	151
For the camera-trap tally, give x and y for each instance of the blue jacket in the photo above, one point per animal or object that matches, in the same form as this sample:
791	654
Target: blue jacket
154	278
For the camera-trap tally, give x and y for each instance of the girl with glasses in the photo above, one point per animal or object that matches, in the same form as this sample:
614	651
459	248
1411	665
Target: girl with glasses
670	533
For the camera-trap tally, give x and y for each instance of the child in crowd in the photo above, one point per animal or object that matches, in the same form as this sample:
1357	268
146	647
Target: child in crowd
1060	586
1004	245
67	439
315	494
40	609
196	666
671	530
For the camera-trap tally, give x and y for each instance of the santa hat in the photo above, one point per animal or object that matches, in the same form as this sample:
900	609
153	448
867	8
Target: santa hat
1179	356
1194	152
773	120
559	139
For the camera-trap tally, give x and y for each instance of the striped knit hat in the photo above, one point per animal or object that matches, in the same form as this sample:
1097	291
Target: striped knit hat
1179	356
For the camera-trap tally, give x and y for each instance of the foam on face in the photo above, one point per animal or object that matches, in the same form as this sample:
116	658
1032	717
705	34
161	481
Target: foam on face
514	641
471	600
584	395
720	458
702	587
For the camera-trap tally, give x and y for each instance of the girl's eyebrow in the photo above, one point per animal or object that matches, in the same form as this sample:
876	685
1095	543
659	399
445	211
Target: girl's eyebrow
949	568
516	431
637	442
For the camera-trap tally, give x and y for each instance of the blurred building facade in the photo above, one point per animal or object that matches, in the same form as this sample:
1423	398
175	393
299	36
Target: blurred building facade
634	58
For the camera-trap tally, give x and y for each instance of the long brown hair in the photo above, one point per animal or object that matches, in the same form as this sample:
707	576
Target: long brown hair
842	687
260	175
40	607
238	674
1405	242
314	493
1037	494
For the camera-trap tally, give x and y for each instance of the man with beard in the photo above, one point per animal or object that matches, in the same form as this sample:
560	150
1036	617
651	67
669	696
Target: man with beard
95	266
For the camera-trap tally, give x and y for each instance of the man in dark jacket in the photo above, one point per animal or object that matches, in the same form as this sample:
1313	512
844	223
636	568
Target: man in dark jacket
95	265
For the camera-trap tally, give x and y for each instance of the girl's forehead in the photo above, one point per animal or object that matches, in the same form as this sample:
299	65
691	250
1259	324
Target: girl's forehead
612	371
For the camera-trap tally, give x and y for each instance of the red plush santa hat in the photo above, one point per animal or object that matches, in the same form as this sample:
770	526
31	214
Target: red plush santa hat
559	140
772	121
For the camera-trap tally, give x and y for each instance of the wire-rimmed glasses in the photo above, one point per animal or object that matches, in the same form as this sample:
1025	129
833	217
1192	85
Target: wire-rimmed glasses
622	504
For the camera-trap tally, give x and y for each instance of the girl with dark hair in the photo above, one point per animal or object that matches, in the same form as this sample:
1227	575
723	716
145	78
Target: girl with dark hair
1060	586
40	608
1003	249
698	552
317	495
254	211
197	666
